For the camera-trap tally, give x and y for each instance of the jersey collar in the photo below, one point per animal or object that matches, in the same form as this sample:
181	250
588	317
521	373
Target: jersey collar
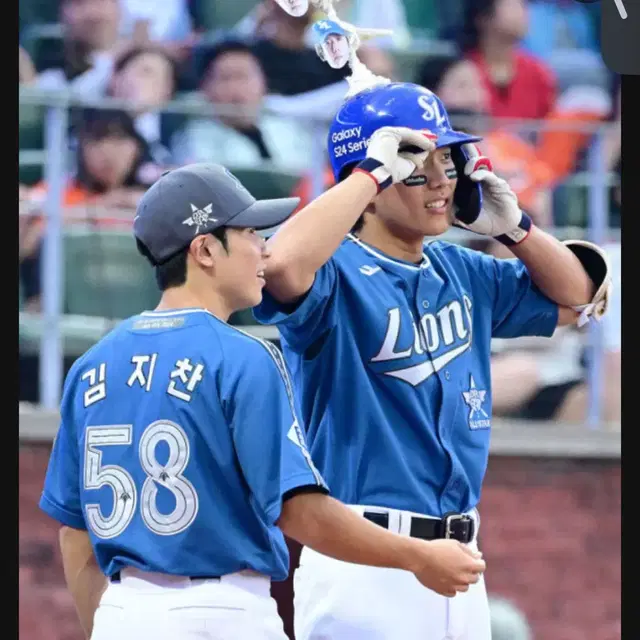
382	257
166	313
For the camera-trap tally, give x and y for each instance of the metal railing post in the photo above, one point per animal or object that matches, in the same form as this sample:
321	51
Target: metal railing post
52	290
52	265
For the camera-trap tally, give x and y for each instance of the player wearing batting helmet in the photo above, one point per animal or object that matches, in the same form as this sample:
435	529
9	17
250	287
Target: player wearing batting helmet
388	339
180	460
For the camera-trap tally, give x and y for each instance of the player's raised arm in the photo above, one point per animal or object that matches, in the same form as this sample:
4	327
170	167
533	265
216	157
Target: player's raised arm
307	240
287	487
574	274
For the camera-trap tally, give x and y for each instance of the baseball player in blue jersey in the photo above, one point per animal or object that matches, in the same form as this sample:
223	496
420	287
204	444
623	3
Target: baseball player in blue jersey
180	461
388	341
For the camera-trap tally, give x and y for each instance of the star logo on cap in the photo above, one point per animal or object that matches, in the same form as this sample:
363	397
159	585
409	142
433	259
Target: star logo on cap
200	217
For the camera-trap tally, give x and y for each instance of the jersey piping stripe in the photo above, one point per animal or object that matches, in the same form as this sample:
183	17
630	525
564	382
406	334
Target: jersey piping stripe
423	265
276	356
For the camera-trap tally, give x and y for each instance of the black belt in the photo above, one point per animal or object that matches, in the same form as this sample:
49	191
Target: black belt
457	526
116	577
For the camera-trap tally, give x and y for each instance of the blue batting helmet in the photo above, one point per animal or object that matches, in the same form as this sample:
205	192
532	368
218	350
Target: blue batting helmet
398	104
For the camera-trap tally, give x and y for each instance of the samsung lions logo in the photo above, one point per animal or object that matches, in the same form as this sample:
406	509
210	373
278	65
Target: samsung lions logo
200	217
475	398
445	328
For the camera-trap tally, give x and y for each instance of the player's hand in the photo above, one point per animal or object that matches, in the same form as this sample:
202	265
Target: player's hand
500	216
394	153
448	566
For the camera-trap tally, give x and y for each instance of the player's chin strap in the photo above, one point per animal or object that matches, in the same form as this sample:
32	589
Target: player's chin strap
596	264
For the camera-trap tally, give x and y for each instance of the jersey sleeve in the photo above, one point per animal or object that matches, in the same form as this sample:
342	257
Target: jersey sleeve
303	323
266	432
519	308
60	497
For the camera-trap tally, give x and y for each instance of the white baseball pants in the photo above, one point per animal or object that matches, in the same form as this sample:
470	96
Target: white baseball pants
335	600
150	605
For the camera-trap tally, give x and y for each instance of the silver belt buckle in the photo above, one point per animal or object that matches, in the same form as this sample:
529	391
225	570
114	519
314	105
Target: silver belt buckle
452	518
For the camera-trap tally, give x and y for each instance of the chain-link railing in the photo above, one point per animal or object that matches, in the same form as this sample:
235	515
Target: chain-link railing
592	188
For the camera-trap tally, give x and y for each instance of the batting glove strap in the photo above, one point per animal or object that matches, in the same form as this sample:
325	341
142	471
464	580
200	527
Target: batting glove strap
377	171
517	235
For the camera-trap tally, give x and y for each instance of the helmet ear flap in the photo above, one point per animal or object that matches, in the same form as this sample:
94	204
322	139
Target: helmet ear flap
468	194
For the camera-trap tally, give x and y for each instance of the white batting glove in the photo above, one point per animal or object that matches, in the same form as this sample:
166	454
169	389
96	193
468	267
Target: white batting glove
386	164
500	216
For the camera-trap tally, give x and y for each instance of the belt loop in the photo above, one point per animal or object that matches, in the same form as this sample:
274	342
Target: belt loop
404	528
394	520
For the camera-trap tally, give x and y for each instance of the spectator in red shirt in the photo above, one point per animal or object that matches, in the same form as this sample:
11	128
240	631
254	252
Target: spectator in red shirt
519	85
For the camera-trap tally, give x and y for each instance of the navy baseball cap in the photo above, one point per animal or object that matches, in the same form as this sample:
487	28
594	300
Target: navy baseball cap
197	199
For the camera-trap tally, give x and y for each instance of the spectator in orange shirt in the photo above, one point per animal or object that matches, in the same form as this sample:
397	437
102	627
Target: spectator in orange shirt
518	84
113	171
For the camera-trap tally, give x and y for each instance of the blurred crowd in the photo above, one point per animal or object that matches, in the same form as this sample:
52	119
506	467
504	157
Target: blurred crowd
525	74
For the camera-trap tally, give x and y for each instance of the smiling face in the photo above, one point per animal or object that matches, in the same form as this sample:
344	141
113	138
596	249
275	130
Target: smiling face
426	207
239	269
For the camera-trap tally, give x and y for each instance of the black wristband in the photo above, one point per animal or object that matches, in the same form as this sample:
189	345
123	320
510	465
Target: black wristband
377	171
517	235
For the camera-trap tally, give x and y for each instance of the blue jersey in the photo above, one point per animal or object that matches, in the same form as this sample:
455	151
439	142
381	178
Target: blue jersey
391	365
178	440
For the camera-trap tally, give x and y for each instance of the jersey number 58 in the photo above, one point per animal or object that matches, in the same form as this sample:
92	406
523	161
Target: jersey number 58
125	494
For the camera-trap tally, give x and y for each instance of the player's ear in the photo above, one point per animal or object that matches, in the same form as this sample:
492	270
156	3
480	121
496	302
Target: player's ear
202	248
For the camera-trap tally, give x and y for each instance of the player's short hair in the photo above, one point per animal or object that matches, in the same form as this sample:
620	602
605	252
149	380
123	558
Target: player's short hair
173	272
